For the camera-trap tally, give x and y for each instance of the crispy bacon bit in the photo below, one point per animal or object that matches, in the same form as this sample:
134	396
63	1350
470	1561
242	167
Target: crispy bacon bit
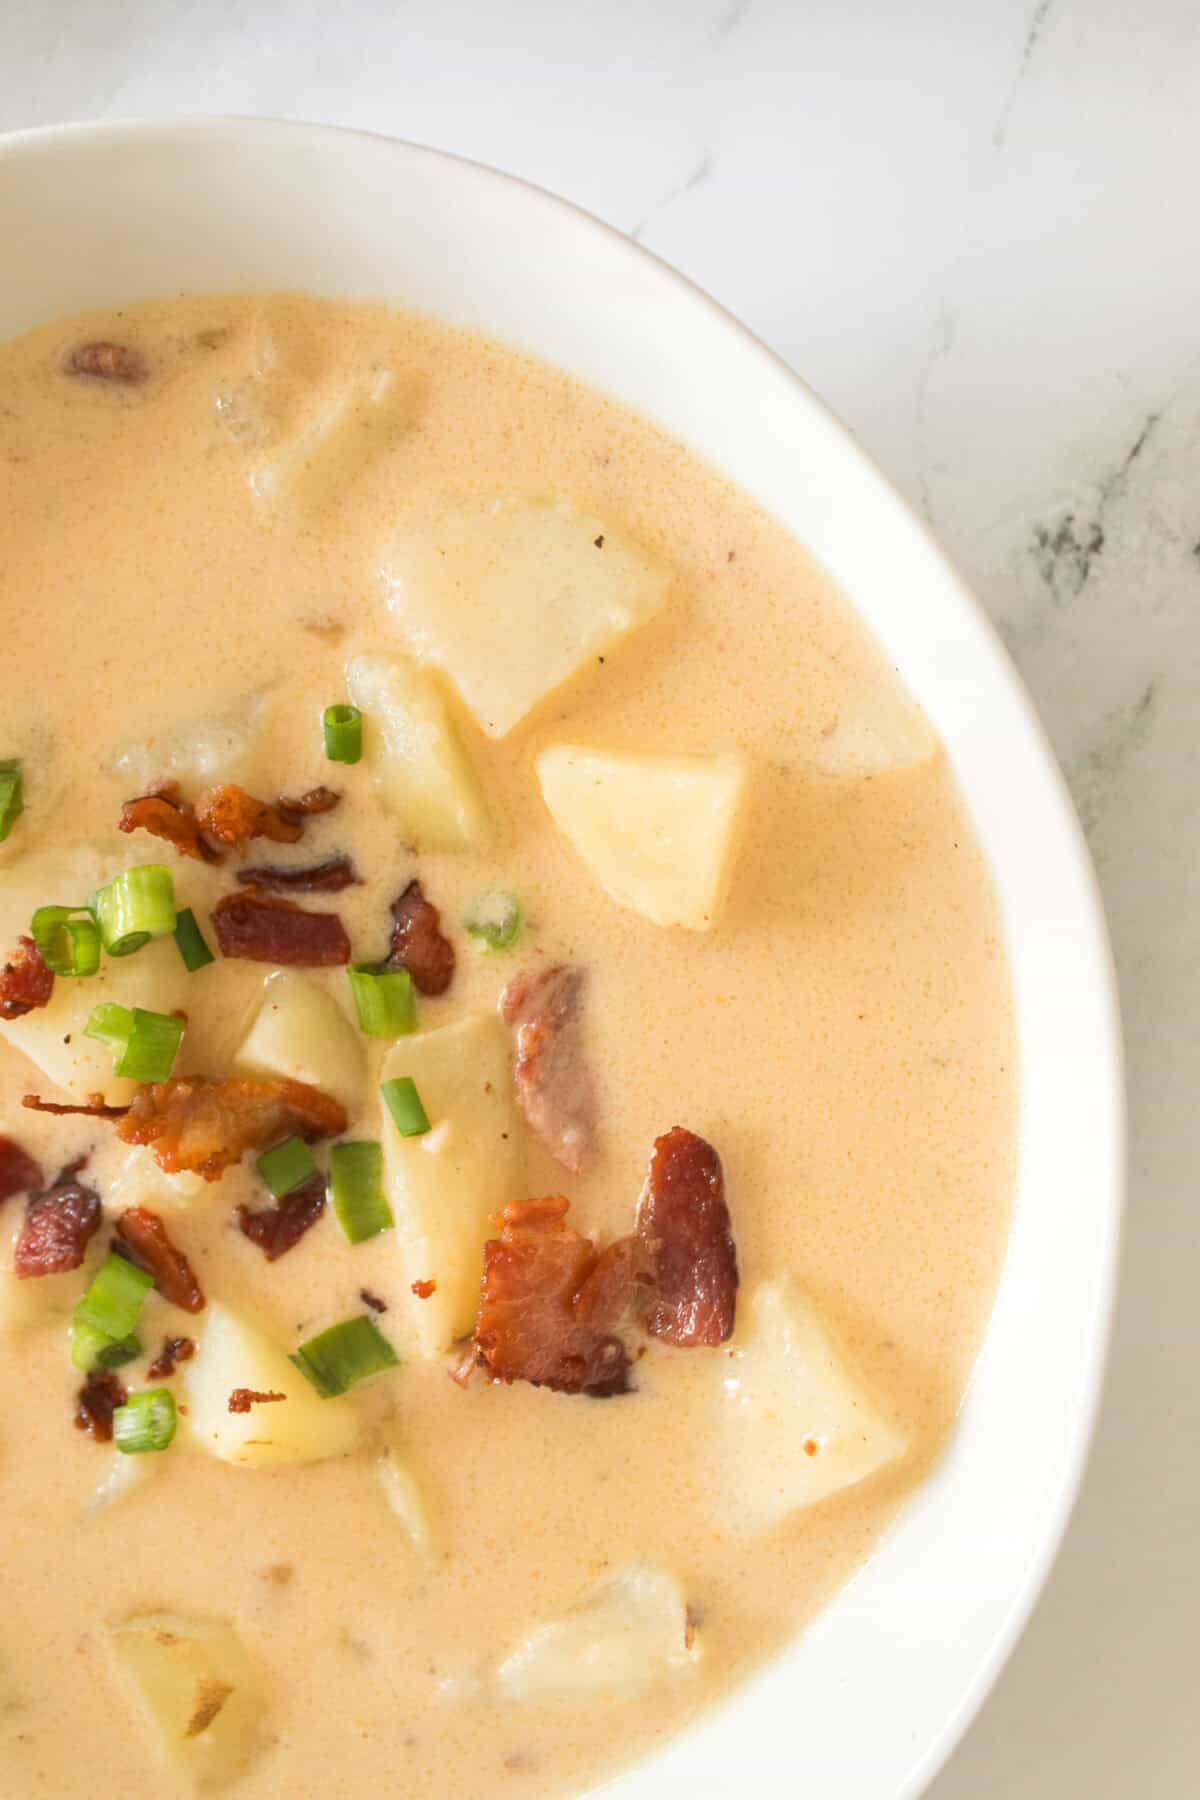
164	814
242	1399
527	1328
232	816
95	1108
276	1229
102	360
203	1125
552	1078
174	1350
19	1174
261	928
418	944
621	1274
25	981
372	1300
58	1227
98	1400
145	1240
684	1223
305	806
424	1289
328	877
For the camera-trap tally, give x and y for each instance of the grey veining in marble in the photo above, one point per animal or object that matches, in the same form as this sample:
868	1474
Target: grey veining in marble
973	226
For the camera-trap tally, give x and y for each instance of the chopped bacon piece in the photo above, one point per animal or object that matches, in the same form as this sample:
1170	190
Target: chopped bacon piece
25	981
305	806
621	1274
552	1078
418	944
328	877
102	360
203	1125
146	1241
95	1108
174	1350
684	1222
19	1174
424	1290
98	1400
59	1224
164	814
242	1399
276	1229
264	929
527	1328
232	816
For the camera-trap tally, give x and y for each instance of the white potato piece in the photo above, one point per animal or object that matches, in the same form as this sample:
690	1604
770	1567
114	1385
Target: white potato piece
301	1034
511	596
626	1634
420	769
198	1692
155	978
444	1186
126	1474
210	747
795	1424
659	833
302	1428
880	732
405	1497
140	1182
310	471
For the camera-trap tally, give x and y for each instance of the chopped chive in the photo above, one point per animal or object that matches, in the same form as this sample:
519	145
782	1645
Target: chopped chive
495	920
92	1349
383	999
342	726
134	907
69	946
146	1422
336	1359
190	939
404	1103
114	1298
356	1188
12	794
145	1044
285	1166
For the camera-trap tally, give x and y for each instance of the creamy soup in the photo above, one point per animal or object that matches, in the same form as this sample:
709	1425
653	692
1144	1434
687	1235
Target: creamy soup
719	964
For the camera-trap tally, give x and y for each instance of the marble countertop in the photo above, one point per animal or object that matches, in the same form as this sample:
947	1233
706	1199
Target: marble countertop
973	227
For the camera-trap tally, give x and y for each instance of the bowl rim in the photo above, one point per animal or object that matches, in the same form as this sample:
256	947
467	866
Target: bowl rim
990	1659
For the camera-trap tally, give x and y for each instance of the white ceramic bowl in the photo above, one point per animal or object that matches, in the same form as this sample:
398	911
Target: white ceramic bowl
870	1701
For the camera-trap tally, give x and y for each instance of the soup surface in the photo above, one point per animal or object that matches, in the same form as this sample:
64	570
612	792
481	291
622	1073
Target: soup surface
240	512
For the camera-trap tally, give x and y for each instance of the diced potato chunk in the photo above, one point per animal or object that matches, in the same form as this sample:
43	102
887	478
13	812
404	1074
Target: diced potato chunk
140	1182
52	1036
445	1186
311	470
659	833
301	1034
796	1424
881	732
198	1692
213	746
125	1475
301	1428
511	596
418	764
404	1495
627	1633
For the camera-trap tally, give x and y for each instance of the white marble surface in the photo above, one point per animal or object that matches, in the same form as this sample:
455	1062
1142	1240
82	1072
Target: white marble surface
973	225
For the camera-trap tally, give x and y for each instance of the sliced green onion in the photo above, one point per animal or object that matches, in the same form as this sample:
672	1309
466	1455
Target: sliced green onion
146	1422
114	1298
404	1103
12	795
383	999
356	1188
69	946
286	1165
190	939
345	1354
92	1349
342	726
135	907
145	1044
494	920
